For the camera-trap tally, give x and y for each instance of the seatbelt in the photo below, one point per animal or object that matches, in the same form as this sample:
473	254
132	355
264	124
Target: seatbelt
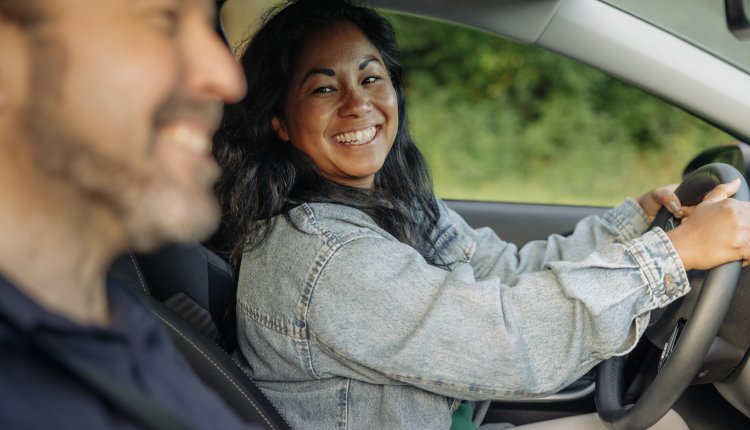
128	401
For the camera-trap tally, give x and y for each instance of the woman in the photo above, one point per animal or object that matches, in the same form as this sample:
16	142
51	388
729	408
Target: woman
363	301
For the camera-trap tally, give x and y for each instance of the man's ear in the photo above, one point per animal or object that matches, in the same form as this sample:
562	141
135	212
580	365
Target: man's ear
280	129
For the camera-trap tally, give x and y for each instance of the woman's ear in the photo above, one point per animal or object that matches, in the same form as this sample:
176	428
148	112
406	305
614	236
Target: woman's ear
278	126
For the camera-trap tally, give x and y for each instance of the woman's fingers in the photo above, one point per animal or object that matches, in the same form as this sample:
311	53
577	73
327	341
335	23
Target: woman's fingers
714	232
717	231
666	197
653	201
722	191
686	211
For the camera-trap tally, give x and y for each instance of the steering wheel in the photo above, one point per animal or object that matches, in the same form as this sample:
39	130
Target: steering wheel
689	343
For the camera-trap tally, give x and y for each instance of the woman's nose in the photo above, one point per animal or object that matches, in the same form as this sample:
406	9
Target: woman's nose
356	103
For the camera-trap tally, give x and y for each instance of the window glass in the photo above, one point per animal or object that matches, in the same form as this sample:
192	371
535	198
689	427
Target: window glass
502	121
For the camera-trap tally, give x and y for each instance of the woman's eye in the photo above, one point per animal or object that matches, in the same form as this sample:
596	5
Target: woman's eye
371	79
322	90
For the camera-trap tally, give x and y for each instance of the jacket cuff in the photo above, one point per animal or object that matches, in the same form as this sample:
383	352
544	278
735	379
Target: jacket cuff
628	218
660	265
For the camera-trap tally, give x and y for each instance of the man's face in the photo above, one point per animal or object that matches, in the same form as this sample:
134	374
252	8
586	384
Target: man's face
125	95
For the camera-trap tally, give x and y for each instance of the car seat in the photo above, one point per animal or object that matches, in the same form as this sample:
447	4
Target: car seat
192	291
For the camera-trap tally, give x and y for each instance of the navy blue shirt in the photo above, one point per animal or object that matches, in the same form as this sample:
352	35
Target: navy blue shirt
135	351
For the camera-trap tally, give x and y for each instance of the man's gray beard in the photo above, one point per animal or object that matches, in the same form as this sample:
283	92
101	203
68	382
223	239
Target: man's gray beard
150	204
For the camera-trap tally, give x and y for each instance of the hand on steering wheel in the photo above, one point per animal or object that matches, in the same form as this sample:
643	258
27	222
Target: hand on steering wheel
696	336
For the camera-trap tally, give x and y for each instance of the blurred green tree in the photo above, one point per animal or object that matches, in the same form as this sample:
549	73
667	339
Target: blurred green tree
499	120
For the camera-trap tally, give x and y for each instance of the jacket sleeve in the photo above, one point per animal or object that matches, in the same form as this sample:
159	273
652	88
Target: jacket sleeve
496	257
534	321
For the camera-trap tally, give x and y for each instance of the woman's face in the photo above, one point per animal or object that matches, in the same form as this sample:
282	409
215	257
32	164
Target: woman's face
341	107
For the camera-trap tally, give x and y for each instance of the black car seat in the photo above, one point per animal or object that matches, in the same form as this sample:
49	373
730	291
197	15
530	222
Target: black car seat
192	291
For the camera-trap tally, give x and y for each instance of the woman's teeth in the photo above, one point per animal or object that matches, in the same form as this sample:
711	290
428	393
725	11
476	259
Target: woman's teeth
358	137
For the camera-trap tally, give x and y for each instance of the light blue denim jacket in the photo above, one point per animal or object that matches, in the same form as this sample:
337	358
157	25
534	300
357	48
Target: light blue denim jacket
345	327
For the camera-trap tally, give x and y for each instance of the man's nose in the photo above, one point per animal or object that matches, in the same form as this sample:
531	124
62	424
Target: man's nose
211	70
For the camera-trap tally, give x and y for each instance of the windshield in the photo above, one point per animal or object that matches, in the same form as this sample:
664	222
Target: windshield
701	22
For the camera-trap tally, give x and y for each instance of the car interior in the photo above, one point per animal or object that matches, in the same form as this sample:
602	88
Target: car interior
191	289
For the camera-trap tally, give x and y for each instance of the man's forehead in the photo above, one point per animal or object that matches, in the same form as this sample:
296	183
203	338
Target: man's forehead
207	7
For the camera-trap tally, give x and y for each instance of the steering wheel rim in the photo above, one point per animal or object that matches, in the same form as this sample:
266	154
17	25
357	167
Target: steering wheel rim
686	357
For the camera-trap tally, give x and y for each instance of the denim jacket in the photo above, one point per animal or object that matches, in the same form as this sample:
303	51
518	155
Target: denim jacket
345	327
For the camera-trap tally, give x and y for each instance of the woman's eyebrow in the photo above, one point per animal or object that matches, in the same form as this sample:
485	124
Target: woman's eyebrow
327	72
330	72
364	64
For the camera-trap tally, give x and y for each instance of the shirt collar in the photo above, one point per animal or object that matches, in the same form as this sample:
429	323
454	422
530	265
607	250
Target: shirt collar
28	316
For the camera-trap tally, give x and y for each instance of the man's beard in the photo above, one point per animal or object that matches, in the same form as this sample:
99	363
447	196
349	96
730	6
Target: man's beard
152	207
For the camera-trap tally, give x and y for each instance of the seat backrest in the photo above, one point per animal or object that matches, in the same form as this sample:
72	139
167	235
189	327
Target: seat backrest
195	283
192	291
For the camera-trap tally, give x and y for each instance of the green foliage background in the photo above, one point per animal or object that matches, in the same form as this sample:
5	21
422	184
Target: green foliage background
502	121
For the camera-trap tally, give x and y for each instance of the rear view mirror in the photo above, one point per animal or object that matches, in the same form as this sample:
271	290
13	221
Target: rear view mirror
737	155
738	20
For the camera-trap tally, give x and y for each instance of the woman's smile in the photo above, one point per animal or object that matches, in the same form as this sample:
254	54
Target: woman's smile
341	108
358	137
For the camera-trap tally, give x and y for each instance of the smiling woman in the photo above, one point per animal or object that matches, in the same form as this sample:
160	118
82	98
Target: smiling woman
286	146
352	272
341	108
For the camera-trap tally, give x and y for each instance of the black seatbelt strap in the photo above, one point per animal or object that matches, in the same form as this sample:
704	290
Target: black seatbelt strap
128	401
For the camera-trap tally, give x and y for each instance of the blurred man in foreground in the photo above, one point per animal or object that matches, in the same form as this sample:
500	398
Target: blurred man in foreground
107	109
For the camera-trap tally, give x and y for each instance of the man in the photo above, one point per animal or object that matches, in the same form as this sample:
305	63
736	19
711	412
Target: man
106	114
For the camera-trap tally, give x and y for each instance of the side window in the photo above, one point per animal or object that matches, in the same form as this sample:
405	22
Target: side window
502	121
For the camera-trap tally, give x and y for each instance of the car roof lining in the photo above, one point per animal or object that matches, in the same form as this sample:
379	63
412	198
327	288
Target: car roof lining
520	20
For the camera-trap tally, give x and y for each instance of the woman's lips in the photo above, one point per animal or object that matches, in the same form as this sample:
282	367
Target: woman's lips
358	137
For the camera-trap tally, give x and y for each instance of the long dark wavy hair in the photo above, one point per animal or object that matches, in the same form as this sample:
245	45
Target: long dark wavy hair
265	176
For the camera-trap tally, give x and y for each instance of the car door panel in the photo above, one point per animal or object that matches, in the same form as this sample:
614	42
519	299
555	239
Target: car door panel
521	222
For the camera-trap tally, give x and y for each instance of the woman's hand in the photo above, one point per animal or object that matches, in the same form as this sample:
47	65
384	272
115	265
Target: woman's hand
716	232
652	202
